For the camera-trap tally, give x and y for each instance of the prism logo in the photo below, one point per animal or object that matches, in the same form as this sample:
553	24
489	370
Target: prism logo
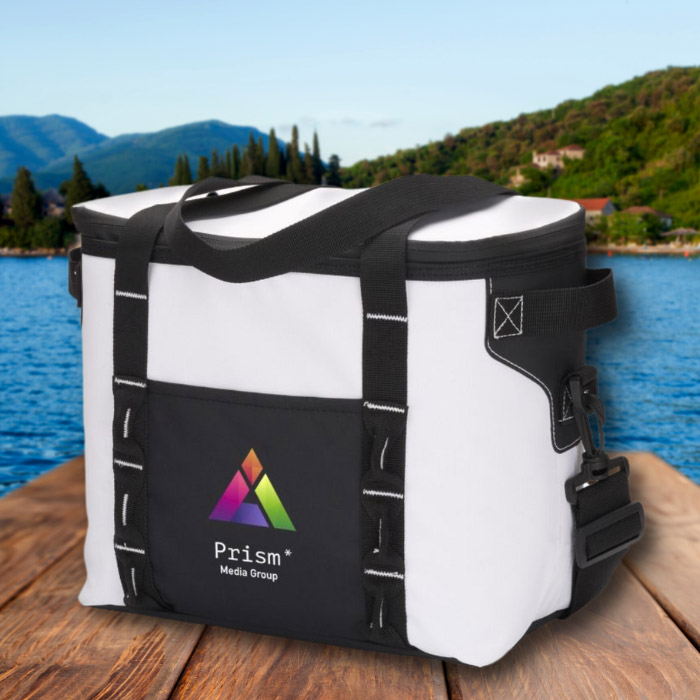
250	483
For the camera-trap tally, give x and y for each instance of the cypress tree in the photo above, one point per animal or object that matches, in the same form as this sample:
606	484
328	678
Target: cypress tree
318	168
26	202
215	167
236	165
250	155
308	165
202	168
176	178
295	168
227	168
186	171
272	167
79	189
333	177
283	161
260	157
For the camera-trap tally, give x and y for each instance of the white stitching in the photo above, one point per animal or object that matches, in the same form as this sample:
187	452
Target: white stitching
122	463
519	305
388	494
383	407
387	317
133	581
125	500
565	406
381	456
130	295
126	423
381	614
124	548
129	382
385	574
539	381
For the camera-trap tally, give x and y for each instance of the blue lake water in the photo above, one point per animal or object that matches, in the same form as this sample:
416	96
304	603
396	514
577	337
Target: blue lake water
649	363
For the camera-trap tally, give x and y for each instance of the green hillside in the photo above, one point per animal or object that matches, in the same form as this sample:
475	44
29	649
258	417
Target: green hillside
34	142
642	141
124	161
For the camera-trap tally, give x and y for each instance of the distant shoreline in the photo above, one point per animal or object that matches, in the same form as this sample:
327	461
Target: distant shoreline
684	250
33	252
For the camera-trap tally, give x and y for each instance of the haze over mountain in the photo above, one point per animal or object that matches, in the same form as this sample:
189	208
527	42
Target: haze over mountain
46	145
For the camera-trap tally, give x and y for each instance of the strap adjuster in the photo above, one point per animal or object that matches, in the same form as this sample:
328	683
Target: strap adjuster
619	525
592	472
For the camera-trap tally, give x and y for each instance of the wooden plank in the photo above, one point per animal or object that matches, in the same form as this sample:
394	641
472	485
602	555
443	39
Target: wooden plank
39	523
667	560
622	645
53	648
229	664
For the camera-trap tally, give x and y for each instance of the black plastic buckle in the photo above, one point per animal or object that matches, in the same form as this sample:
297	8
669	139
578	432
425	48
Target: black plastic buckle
605	522
594	470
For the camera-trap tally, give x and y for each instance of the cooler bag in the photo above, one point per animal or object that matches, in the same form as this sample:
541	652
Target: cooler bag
359	417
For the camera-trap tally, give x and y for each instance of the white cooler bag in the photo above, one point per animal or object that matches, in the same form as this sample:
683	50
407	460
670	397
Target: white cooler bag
358	417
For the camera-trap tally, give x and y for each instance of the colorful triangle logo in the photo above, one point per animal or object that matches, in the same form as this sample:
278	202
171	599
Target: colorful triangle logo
268	511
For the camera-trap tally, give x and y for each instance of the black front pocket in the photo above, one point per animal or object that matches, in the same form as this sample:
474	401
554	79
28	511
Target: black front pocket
253	509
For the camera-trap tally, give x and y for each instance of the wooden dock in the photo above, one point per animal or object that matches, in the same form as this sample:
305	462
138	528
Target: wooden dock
640	639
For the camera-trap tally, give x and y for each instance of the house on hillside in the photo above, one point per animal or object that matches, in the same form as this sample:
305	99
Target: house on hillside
517	178
665	219
596	207
54	202
555	157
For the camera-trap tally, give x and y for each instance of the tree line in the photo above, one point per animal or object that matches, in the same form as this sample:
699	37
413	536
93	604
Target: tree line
30	227
286	162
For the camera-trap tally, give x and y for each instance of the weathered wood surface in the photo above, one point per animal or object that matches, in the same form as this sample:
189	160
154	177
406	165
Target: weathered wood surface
667	560
623	645
52	647
229	664
39	523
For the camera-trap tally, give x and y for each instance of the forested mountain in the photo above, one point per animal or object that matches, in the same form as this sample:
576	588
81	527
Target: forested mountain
34	142
120	163
642	141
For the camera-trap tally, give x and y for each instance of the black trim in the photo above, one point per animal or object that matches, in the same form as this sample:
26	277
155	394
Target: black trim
283	634
282	401
317	639
385	409
544	360
449	264
130	423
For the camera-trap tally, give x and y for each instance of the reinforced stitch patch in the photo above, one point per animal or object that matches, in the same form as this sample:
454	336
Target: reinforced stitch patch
508	316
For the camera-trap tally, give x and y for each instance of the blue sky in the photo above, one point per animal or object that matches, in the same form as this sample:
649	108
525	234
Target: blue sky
371	77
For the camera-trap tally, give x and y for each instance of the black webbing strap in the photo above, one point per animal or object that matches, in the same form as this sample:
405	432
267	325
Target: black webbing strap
606	522
130	425
556	311
328	232
385	409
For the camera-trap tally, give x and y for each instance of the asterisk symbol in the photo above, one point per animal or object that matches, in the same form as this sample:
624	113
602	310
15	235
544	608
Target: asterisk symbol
287	552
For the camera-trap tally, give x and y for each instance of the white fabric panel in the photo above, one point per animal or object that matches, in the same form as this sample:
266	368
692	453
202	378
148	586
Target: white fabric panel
487	527
103	586
507	215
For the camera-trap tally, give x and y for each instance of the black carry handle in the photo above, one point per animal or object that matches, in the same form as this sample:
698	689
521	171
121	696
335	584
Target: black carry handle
326	233
241	200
